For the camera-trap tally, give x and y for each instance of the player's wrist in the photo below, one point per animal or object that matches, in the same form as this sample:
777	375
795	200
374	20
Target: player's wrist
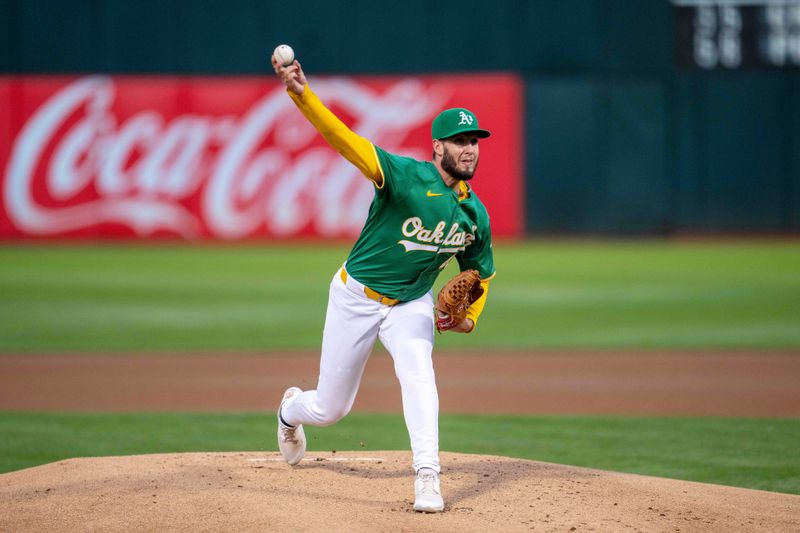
296	91
444	322
466	326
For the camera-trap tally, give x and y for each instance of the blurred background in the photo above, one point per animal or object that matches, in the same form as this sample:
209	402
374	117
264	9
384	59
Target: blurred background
162	123
646	118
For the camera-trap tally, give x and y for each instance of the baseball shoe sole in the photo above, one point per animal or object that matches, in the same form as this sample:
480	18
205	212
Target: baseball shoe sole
291	440
428	494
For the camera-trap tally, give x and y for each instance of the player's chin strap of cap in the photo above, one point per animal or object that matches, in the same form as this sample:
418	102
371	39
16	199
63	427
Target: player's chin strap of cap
372	295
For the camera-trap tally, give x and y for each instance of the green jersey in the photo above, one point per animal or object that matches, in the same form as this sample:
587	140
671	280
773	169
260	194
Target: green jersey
415	226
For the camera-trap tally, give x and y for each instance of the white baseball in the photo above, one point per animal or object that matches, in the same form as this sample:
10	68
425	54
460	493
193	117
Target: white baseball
284	54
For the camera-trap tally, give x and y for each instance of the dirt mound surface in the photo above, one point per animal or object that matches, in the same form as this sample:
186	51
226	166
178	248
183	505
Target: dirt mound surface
369	491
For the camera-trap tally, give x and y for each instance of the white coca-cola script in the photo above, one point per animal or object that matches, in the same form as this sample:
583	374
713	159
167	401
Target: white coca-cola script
75	164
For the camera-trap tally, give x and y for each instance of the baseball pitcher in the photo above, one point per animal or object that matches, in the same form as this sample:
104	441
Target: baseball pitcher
423	214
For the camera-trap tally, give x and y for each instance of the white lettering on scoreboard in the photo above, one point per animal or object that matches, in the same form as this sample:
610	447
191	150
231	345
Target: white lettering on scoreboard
732	34
781	44
717	36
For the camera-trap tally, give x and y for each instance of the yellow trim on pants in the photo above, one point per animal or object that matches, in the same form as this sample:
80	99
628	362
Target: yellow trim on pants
372	295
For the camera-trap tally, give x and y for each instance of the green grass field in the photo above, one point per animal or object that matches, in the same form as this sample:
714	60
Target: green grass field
760	454
610	295
546	295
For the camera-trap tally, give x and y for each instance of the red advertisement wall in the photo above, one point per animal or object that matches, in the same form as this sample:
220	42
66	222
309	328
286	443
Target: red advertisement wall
228	158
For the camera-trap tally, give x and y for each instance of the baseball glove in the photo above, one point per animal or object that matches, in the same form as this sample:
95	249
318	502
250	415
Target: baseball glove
455	297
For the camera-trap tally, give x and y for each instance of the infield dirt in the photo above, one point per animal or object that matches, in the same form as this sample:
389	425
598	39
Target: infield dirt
710	383
373	492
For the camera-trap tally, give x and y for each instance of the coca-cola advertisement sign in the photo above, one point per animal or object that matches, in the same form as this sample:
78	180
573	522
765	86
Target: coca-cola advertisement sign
228	158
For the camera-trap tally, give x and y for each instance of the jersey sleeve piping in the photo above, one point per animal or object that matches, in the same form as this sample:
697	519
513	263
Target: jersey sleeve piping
380	176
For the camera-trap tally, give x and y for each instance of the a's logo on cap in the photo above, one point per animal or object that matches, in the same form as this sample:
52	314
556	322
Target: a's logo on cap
465	119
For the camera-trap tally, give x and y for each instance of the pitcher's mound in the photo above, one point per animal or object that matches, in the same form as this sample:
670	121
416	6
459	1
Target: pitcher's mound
368	491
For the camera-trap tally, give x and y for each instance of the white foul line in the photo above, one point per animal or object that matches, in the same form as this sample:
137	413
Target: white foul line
322	459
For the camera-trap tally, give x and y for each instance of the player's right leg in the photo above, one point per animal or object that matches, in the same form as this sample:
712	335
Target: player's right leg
351	328
291	439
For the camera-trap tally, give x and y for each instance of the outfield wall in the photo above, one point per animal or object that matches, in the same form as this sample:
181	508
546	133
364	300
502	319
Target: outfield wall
227	158
617	138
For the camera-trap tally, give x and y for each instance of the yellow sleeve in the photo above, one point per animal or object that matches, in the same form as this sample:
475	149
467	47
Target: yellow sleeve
349	144
475	310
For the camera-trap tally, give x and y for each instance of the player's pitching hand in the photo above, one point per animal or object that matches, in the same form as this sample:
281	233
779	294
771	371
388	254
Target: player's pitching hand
293	75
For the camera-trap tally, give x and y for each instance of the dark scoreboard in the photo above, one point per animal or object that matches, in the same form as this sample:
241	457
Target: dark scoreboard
737	34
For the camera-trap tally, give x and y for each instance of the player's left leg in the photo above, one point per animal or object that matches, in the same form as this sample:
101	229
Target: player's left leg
407	333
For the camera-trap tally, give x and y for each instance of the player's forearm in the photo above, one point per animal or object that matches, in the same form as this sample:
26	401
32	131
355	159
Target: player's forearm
353	147
475	310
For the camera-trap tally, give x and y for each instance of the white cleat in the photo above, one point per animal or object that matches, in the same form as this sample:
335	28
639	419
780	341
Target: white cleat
427	491
291	440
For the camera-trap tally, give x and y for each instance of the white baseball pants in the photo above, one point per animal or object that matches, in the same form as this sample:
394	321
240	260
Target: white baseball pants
352	325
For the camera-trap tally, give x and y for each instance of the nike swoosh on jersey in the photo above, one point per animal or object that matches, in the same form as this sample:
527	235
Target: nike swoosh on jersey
434	193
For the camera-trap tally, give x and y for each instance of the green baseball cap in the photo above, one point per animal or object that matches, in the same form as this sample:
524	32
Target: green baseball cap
454	121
